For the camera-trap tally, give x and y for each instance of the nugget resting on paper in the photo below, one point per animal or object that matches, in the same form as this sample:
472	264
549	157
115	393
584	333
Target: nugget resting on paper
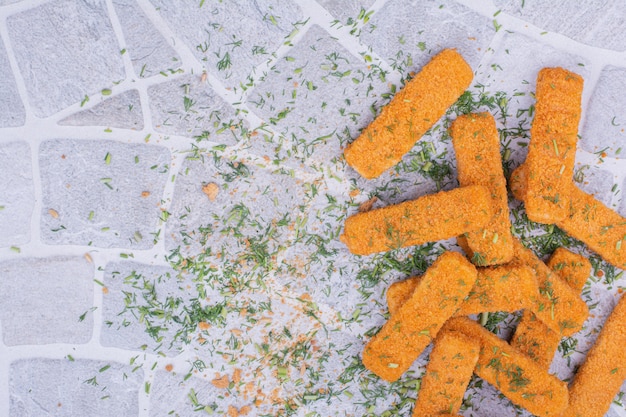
448	372
412	111
600	377
517	376
552	148
429	218
603	230
559	307
477	148
574	269
407	333
500	288
532	336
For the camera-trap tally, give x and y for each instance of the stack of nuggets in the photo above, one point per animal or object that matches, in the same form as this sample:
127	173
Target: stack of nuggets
432	307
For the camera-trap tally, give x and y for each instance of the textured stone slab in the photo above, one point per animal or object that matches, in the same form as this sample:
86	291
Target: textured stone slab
103	193
149	51
122	111
188	107
604	127
318	97
622	207
127	291
63	388
597	23
244	216
434	26
17	194
86	54
43	300
12	111
348	11
232	38
594	181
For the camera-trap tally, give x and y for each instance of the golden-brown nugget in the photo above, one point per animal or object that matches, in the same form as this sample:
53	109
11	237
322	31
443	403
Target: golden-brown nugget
448	372
500	288
600	377
559	307
407	333
429	218
412	111
477	148
571	267
603	230
532	336
517	376
552	148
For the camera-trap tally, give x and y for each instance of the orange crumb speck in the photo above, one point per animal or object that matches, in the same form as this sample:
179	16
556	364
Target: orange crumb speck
203	325
105	290
53	213
221	381
145	194
169	367
211	190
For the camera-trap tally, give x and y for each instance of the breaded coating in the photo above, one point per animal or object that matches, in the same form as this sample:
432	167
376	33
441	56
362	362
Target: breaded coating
499	288
449	370
411	112
559	307
429	218
532	336
535	339
600	377
552	148
517	376
574	269
603	230
407	333
477	148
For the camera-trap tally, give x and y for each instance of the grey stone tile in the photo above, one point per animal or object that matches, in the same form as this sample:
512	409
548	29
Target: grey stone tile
17	193
149	51
188	107
86	57
104	193
231	38
433	26
66	388
43	300
597	23
604	125
594	181
248	221
622	207
7	2
122	111
132	287
12	111
318	97
346	11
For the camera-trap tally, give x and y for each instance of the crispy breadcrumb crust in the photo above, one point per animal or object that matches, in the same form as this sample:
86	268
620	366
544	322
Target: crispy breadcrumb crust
600	377
517	376
407	333
477	148
427	219
448	372
412	111
603	230
552	148
571	267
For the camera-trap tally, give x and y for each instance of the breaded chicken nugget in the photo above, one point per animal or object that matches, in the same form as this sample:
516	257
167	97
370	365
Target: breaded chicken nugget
407	333
412	111
532	336
535	339
477	148
554	134
559	307
590	221
429	218
574	269
500	288
517	376
449	370
600	377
